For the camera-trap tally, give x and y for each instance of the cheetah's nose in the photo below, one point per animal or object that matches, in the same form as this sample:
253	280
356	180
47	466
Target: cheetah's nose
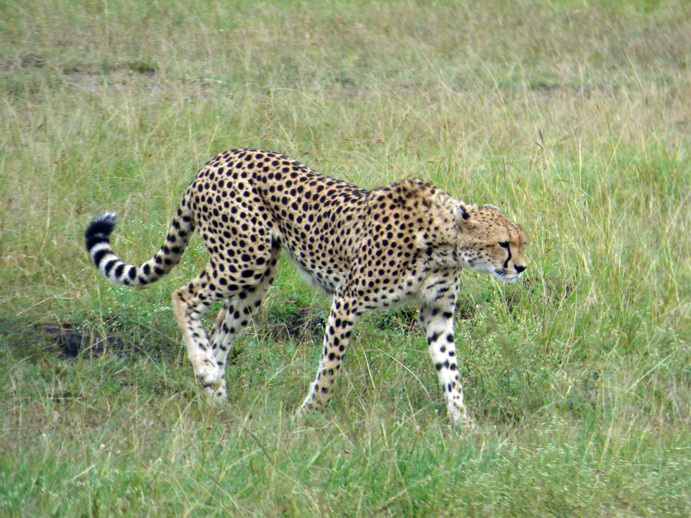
519	268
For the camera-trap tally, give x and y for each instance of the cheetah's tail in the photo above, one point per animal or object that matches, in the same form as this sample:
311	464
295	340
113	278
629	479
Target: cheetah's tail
118	272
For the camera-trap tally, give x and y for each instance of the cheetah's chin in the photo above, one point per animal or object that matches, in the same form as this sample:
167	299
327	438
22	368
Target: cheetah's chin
509	278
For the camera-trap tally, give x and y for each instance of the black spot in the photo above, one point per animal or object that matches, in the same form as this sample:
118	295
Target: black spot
433	338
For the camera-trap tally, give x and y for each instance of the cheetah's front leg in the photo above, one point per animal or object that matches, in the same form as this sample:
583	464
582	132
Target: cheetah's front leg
437	322
337	334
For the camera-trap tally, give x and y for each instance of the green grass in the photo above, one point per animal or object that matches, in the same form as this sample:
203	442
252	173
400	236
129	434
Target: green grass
573	117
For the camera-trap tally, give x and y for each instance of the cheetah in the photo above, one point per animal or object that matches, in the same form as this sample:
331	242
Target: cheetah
405	242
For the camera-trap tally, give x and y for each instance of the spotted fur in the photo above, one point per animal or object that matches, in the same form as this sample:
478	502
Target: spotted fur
406	242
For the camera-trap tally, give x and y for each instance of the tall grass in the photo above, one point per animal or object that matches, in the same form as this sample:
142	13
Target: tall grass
573	117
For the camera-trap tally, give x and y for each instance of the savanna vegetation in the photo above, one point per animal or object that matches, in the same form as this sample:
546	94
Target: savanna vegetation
572	116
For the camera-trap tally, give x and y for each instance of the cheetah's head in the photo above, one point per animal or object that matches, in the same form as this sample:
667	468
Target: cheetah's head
488	242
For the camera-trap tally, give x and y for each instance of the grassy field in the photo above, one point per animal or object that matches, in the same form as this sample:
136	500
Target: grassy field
573	117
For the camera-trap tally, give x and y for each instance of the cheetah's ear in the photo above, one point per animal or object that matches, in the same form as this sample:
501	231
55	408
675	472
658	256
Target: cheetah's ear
462	212
490	206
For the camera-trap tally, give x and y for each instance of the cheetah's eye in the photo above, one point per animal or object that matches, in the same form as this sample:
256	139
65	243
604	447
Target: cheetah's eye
504	244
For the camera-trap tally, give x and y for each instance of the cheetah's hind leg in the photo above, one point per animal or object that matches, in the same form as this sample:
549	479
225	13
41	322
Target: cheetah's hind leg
234	317
190	302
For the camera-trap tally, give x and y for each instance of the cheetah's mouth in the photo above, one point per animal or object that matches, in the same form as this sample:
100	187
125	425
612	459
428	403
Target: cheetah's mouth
505	276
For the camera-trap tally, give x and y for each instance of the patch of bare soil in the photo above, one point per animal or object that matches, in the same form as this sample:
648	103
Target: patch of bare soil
301	324
72	341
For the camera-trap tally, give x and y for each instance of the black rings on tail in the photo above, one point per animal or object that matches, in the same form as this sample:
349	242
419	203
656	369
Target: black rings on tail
97	237
98	245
